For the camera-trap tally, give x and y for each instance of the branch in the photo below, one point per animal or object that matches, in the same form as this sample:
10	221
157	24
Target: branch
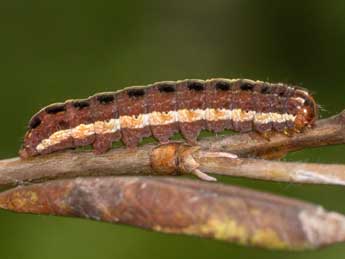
329	131
184	207
178	158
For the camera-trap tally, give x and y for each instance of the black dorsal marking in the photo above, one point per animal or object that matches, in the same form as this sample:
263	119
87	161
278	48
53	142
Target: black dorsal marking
265	89
281	90
55	108
247	86
196	86
35	122
136	92
308	102
223	86
166	88
81	104
105	98
282	93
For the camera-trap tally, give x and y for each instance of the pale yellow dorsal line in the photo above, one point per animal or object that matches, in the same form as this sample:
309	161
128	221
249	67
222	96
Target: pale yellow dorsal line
161	118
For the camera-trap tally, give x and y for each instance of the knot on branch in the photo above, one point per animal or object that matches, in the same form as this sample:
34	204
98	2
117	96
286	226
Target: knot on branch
180	158
174	159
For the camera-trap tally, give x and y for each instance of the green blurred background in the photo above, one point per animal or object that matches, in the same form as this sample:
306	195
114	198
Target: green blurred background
56	50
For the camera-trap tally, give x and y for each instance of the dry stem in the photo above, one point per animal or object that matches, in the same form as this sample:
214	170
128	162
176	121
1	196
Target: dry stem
211	159
183	206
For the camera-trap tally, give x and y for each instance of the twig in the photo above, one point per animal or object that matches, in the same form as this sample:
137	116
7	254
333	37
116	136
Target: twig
178	158
71	164
275	171
184	207
329	131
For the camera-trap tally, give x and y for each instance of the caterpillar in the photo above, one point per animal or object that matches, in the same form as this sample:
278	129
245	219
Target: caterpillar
165	108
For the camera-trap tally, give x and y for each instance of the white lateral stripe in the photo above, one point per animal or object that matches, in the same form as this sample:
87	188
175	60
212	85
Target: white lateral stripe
218	114
161	118
186	115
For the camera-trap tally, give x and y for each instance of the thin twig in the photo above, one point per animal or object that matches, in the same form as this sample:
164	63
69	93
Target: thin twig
329	131
183	206
213	158
275	171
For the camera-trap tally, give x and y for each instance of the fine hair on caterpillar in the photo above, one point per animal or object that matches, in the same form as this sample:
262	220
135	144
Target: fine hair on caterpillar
165	108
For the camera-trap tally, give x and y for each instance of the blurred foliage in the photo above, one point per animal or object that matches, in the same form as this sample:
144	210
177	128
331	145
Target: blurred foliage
56	50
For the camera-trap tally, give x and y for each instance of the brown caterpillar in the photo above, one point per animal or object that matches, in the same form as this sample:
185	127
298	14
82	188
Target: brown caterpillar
165	108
